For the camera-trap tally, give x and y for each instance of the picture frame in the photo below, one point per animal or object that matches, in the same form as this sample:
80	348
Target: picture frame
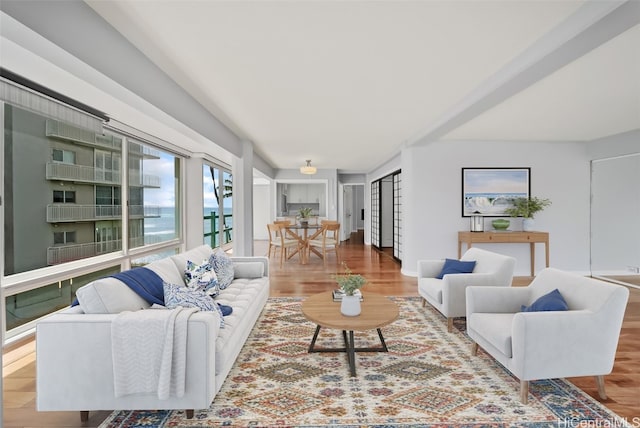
489	191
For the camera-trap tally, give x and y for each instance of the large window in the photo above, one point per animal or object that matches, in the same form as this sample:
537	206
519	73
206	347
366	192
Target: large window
52	186
30	305
154	183
66	197
217	195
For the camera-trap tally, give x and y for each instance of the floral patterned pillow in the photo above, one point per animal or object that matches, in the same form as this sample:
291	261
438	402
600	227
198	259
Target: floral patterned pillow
223	266
201	277
176	295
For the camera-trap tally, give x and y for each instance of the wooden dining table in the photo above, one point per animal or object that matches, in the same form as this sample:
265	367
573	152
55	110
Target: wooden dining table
304	233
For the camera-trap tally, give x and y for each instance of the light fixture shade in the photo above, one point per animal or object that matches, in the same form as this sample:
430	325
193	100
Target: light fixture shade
308	169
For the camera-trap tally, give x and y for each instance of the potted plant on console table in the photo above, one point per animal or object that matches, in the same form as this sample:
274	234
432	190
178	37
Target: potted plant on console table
350	285
526	208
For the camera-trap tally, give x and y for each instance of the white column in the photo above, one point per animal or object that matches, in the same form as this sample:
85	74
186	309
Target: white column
193	212
243	201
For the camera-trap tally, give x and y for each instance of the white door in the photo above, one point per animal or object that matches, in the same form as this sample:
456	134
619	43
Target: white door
347	212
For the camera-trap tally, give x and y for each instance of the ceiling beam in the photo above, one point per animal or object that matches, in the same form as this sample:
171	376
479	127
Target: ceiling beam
592	25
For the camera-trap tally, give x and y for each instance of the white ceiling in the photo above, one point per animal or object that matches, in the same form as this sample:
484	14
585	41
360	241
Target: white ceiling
347	83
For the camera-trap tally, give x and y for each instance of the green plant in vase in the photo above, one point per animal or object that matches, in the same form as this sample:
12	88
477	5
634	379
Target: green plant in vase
349	282
527	208
305	212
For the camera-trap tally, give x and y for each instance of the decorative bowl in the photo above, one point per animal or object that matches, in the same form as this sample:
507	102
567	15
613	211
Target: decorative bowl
500	224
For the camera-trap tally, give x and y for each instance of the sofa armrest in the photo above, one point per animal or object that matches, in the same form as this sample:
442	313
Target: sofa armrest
244	267
75	364
495	299
552	344
429	268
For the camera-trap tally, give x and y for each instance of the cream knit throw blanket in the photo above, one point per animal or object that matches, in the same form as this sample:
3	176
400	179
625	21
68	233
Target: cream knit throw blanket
149	350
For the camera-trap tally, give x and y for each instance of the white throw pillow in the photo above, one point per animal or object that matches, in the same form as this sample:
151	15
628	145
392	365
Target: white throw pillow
109	296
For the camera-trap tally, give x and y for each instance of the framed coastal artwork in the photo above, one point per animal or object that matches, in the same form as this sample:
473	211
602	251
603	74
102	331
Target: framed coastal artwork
489	191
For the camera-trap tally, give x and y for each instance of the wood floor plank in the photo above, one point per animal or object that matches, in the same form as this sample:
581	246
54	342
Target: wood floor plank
294	279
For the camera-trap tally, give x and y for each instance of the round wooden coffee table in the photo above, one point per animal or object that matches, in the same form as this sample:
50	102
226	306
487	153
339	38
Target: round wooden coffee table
377	311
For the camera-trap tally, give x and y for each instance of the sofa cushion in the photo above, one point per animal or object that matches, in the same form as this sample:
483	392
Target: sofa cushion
247	297
431	287
167	270
495	328
248	270
202	277
452	266
552	301
223	266
109	296
178	295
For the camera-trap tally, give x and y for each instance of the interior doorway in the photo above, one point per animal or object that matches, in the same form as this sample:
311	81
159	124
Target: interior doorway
386	214
352	211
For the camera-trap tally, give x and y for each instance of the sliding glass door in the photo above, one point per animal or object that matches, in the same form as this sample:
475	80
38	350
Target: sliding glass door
615	223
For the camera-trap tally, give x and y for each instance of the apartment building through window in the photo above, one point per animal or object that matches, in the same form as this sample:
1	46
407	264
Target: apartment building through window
66	197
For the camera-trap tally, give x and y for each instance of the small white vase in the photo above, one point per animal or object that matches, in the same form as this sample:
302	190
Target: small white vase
528	224
350	306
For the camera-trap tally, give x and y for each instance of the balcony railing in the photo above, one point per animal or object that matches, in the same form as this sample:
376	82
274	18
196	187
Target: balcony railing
214	220
60	213
145	180
89	174
81	174
68	253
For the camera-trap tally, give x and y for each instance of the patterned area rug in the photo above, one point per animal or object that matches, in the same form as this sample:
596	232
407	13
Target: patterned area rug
428	378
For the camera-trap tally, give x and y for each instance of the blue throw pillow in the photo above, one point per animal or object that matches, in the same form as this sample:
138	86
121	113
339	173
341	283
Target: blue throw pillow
456	266
552	301
201	277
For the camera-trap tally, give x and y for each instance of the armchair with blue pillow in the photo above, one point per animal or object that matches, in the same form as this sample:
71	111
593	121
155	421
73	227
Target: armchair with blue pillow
561	325
442	283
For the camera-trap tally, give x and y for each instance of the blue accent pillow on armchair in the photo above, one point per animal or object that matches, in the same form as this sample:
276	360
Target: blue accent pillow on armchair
552	301
456	266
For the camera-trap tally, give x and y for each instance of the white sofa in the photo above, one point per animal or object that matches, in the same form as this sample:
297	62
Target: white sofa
580	341
74	351
447	295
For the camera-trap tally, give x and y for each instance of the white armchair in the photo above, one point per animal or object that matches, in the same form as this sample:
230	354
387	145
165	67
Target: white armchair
581	341
447	295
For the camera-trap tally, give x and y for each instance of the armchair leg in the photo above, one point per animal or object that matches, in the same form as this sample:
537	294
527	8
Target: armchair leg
600	383
524	391
474	349
84	415
189	413
424	303
449	324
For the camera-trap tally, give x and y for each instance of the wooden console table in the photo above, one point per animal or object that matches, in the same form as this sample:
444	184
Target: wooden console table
507	238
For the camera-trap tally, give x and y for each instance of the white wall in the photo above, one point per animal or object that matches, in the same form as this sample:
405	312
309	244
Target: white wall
261	211
432	199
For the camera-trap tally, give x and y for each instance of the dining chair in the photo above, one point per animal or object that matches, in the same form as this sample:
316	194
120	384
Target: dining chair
278	239
325	221
328	240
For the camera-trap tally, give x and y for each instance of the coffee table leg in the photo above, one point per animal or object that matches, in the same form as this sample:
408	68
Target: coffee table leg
384	344
351	354
313	341
349	347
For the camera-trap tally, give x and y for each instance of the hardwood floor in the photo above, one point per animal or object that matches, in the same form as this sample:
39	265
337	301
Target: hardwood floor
293	279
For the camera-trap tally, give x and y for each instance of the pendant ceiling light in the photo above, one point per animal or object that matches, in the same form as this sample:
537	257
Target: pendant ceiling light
308	169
